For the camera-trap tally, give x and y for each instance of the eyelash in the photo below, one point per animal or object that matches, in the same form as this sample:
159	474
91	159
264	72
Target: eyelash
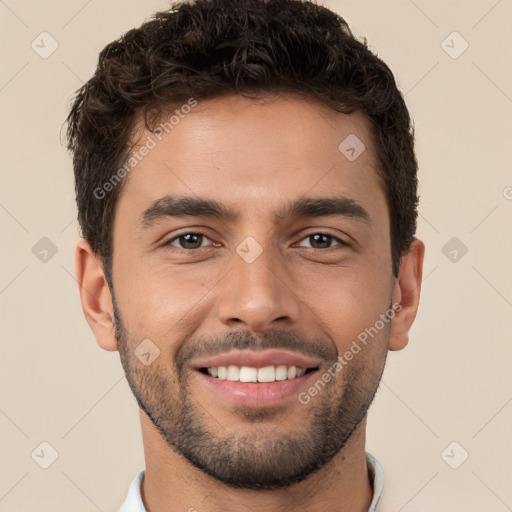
341	243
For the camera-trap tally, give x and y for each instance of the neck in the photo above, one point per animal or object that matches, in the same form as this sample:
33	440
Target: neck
342	485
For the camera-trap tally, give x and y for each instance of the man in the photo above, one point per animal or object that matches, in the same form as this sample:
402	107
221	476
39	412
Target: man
247	193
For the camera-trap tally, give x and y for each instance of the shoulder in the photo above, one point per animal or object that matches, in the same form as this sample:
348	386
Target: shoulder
133	501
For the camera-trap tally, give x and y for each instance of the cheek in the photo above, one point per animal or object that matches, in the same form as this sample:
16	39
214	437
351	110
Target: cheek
348	303
165	305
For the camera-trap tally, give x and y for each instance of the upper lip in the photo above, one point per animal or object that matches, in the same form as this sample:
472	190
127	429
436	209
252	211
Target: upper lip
258	359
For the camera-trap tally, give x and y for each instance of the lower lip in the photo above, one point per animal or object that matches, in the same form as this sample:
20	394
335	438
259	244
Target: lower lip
256	394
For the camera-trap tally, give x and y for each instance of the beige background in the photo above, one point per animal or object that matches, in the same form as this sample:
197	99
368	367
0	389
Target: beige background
452	383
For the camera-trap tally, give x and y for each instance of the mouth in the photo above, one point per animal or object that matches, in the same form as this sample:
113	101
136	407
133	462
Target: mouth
235	373
256	379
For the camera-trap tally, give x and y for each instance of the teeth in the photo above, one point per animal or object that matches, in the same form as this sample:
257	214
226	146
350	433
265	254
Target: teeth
267	374
233	373
249	374
281	372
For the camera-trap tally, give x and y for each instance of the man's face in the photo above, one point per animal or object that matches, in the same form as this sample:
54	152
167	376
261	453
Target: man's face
268	285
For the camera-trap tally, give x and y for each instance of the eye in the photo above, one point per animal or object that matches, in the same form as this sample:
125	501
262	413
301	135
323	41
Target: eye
188	241
321	241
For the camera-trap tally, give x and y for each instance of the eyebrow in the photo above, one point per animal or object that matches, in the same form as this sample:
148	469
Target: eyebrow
184	206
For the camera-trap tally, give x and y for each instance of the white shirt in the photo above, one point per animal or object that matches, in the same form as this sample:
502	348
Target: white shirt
133	502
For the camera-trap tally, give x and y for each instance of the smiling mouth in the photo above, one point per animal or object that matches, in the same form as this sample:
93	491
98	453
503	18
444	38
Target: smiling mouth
252	374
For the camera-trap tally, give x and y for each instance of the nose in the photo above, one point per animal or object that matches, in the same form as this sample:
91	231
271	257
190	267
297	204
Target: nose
258	295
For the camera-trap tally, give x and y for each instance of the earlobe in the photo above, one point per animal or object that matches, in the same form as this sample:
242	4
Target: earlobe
406	293
95	295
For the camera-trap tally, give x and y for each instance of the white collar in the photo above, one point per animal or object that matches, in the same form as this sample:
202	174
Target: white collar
133	502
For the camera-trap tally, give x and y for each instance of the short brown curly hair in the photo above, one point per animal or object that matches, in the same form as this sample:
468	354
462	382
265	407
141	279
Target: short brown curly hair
208	48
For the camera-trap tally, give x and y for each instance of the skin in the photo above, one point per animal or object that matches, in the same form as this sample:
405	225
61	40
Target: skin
254	157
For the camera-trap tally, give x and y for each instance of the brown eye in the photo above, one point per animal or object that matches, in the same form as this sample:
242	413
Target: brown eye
321	241
189	241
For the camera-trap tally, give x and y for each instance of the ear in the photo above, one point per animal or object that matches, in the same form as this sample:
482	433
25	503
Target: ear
95	295
406	292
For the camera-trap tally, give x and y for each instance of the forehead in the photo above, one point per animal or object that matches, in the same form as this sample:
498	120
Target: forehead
253	153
